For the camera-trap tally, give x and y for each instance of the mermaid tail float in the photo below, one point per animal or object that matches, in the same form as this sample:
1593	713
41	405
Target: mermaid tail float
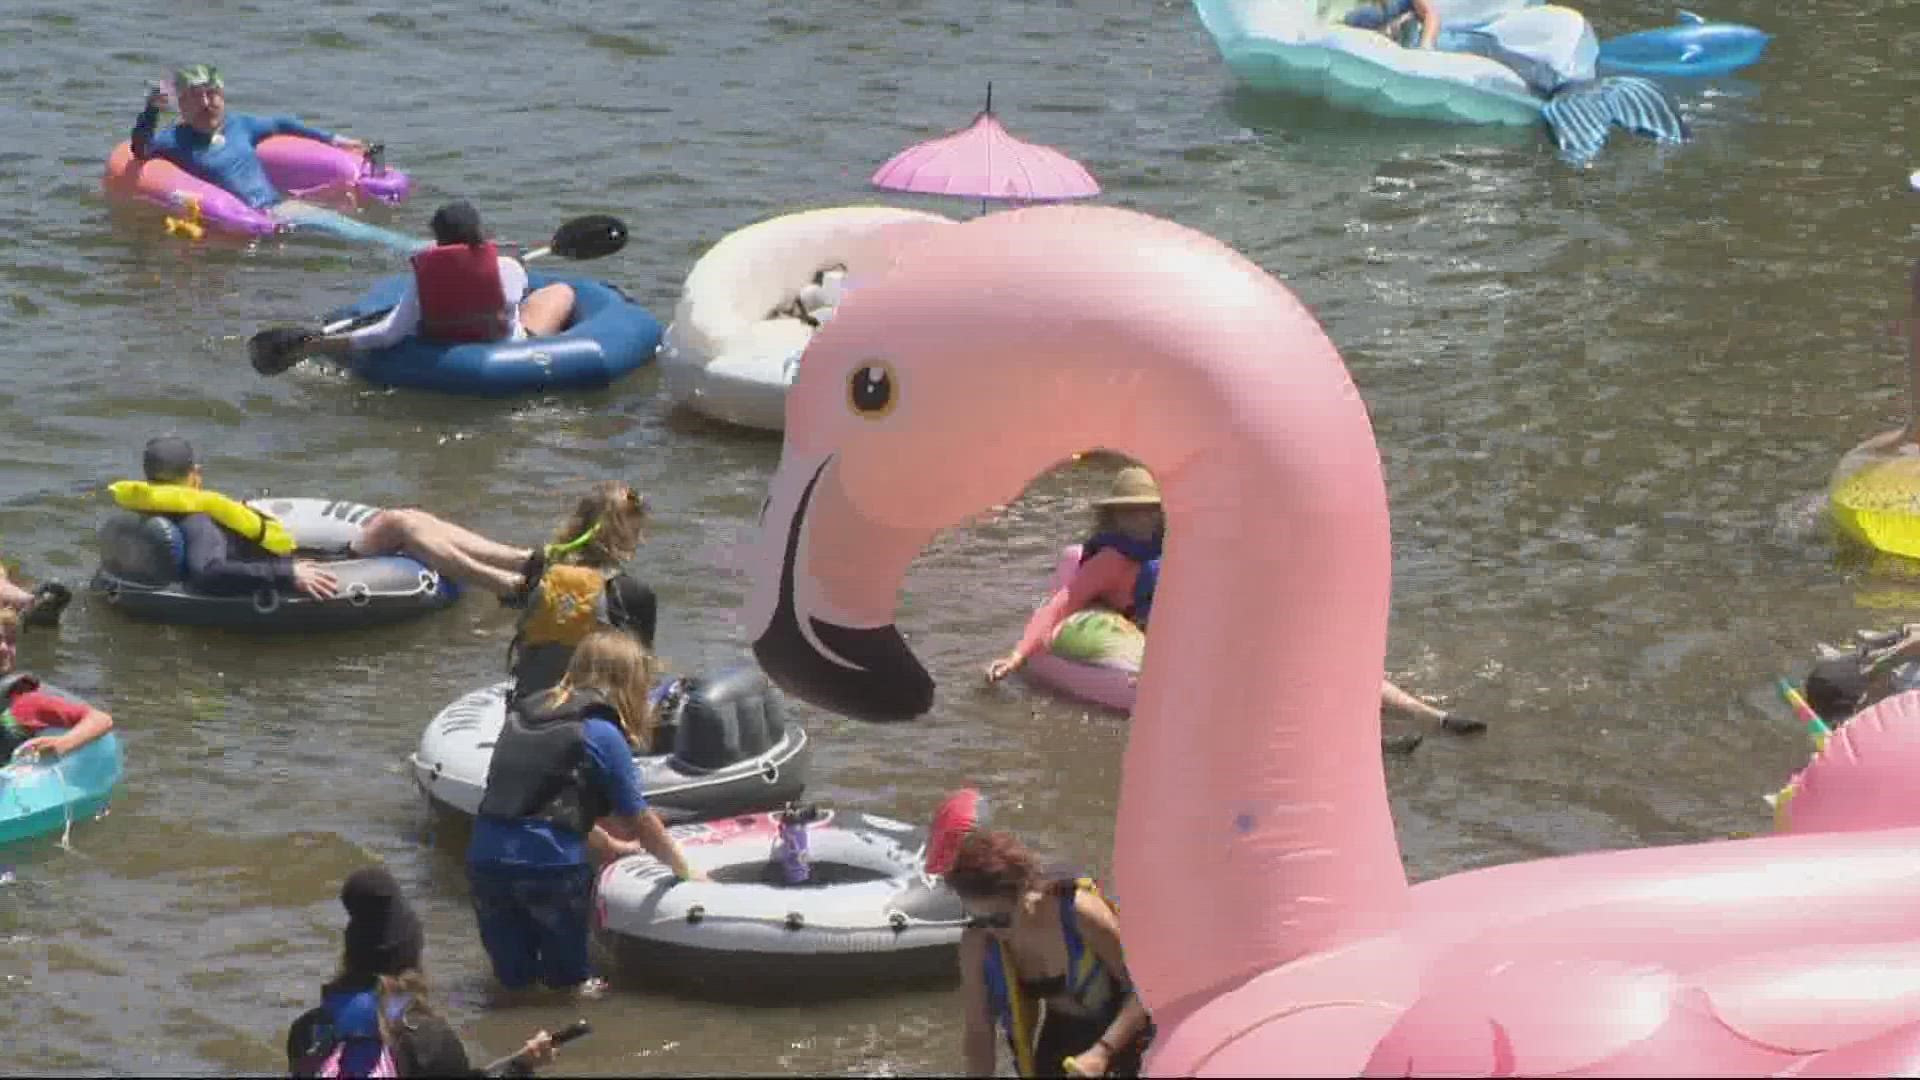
1270	925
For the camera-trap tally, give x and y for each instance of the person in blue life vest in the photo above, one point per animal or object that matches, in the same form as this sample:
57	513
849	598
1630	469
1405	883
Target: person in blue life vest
463	290
563	794
1041	961
218	146
375	1017
1119	573
232	549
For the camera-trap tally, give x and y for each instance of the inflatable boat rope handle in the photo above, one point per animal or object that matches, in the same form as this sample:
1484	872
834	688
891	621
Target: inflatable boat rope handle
591	236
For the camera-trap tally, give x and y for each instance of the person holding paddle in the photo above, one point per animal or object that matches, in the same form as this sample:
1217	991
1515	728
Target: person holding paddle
462	290
215	145
374	1017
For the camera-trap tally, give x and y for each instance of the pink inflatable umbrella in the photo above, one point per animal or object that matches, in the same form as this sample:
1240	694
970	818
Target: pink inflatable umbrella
982	161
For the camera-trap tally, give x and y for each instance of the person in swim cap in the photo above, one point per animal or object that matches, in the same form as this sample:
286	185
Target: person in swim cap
1119	572
463	290
215	145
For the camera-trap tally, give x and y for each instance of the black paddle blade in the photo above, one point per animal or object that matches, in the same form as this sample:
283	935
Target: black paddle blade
278	348
591	237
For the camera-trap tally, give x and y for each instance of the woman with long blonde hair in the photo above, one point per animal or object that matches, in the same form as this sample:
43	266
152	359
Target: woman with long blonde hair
576	585
562	792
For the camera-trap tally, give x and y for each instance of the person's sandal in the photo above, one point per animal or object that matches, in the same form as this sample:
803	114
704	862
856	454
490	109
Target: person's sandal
1461	725
49	600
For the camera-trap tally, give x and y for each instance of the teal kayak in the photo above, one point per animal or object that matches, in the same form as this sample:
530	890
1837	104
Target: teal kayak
41	796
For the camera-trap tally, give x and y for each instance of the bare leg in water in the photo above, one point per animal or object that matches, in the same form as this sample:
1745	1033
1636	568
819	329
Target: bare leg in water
1394	699
461	554
547	309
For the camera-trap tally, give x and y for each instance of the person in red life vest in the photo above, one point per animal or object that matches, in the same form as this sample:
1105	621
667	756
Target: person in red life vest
34	721
463	291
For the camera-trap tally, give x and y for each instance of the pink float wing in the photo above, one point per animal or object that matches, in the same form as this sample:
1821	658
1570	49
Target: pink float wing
984	162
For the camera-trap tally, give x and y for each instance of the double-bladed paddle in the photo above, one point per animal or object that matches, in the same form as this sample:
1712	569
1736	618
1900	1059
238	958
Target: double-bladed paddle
593	236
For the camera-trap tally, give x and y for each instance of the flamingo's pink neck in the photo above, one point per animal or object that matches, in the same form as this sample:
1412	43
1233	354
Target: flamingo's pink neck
1253	772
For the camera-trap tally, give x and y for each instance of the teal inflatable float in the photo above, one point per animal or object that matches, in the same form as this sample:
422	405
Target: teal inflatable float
1511	62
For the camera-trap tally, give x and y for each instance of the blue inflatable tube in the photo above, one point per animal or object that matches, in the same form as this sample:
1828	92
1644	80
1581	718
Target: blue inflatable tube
1695	47
610	337
42	795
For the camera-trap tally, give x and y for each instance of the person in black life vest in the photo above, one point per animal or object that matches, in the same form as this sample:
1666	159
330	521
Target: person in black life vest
1041	961
379	1000
463	290
575	585
562	792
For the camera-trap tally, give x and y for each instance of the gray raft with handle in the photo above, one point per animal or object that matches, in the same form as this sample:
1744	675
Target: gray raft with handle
143	566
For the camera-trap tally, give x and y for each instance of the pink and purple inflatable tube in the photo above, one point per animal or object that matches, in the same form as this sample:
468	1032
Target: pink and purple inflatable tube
1110	686
305	169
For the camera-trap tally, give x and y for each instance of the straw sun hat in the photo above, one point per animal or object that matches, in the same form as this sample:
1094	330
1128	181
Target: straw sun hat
1133	486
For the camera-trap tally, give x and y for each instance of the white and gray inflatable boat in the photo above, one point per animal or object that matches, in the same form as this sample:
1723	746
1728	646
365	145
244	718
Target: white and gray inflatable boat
724	746
868	914
143	566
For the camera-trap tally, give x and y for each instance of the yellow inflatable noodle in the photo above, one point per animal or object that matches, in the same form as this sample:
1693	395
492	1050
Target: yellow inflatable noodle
1878	504
145	498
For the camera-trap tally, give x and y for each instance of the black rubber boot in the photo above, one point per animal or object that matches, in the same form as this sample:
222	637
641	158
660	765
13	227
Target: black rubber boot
49	600
1462	725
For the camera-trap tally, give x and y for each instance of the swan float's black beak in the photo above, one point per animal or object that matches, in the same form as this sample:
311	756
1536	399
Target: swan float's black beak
864	672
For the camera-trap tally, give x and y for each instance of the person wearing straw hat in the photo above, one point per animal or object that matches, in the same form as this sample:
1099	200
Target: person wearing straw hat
1101	615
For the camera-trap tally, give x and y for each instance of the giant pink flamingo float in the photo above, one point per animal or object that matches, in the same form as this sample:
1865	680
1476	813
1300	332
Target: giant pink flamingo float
1269	923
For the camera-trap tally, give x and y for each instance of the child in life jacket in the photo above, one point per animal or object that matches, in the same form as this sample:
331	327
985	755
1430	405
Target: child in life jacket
374	1017
575	585
463	290
35	721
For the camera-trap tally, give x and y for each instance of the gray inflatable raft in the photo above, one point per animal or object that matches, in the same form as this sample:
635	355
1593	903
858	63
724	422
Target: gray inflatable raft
143	566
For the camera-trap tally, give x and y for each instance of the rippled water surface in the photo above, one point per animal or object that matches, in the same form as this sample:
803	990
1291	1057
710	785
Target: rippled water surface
1605	400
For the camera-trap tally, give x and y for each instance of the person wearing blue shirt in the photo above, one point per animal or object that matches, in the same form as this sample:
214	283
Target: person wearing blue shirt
562	790
215	145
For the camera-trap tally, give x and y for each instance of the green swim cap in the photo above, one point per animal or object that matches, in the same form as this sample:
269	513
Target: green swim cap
198	75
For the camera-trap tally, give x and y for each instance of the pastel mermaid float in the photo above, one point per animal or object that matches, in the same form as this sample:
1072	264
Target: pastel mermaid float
1007	343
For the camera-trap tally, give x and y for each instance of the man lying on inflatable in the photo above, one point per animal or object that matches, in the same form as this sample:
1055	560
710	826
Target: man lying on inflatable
234	550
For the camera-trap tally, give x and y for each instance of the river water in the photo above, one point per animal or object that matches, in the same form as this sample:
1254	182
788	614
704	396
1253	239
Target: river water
1606	400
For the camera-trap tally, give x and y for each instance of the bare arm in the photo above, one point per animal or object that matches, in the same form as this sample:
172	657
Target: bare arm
976	1040
91	726
650	835
1429	22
